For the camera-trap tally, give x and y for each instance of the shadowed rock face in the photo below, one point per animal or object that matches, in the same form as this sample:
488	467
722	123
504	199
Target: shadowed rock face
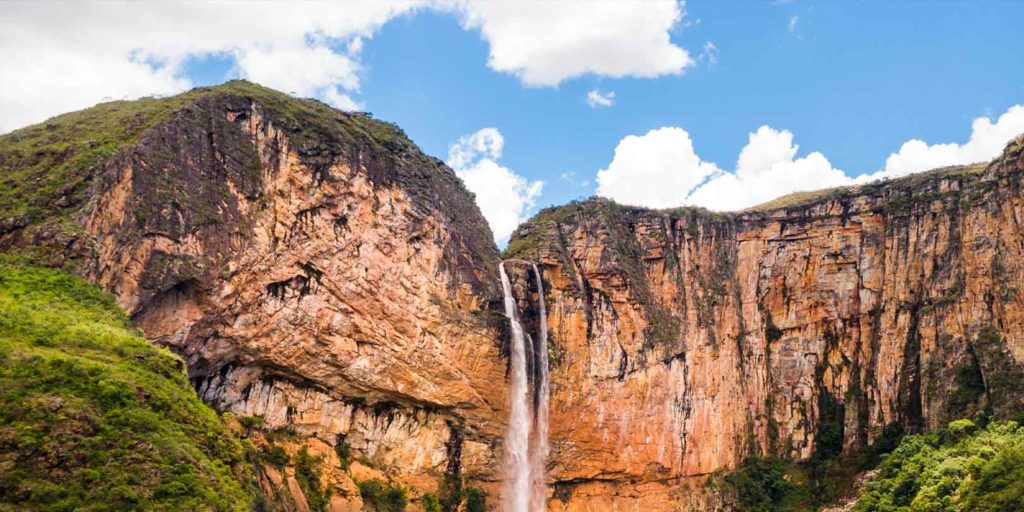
316	270
688	339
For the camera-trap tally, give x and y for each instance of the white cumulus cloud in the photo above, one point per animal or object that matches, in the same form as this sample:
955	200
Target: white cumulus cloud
61	56
596	98
656	169
503	196
987	140
545	42
767	168
661	169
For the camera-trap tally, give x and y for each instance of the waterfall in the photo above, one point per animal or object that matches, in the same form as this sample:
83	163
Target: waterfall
525	454
517	441
539	446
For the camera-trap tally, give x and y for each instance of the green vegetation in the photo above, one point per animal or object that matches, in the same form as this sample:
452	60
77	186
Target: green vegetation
307	474
43	163
93	417
383	496
764	484
344	452
969	389
958	468
251	422
476	500
1002	374
452	494
276	455
430	503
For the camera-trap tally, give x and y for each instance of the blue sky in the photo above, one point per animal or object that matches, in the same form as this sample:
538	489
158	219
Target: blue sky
853	81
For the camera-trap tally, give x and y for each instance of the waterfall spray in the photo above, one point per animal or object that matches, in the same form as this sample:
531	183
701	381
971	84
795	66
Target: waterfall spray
539	447
517	464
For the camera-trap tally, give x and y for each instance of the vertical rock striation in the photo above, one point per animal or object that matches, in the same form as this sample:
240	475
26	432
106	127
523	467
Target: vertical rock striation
685	340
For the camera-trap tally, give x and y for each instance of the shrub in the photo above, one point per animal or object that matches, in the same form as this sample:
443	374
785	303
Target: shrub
476	500
276	455
430	503
382	496
250	421
758	484
344	453
307	474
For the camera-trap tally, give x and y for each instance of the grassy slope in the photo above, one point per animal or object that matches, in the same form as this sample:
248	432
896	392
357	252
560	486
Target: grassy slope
93	417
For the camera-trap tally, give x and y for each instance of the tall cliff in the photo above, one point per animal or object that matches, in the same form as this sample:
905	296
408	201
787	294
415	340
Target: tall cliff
688	339
337	291
313	267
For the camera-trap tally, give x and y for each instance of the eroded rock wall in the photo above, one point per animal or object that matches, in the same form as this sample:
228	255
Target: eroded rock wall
316	271
685	340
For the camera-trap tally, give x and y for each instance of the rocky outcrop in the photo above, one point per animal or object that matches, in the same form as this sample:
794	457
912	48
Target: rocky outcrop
314	269
685	340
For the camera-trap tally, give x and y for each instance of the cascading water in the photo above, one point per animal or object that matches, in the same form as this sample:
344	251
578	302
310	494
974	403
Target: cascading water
539	446
526	454
517	441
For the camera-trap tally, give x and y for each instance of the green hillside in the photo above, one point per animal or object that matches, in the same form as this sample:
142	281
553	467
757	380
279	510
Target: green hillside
956	469
93	417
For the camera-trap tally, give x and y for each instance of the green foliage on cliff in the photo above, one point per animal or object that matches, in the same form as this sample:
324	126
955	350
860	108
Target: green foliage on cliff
476	500
307	474
382	496
958	468
764	484
47	165
93	417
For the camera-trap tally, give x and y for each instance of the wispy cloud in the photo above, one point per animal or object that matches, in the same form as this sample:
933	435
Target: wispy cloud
596	98
708	54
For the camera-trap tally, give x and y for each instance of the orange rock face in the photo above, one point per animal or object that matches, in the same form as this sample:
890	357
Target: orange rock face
684	340
315	270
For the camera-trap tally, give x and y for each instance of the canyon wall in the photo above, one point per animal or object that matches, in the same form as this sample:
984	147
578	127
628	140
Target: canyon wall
684	340
319	273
